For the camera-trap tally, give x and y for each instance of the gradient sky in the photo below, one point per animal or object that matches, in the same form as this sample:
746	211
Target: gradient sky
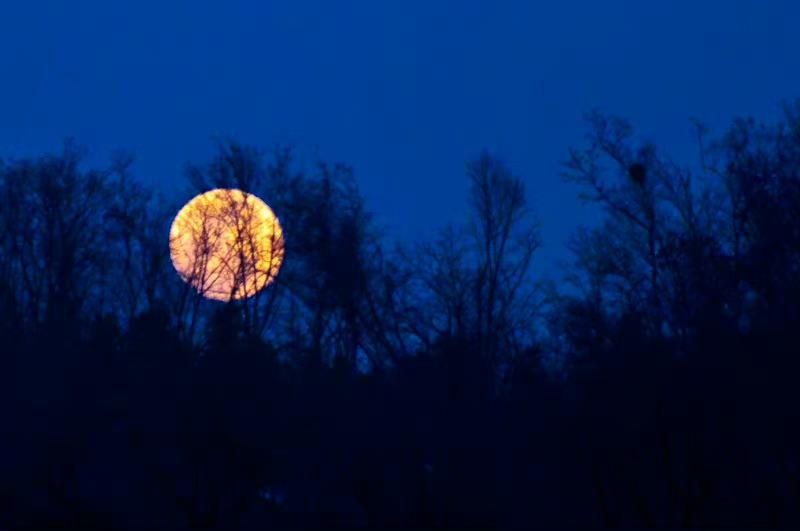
405	91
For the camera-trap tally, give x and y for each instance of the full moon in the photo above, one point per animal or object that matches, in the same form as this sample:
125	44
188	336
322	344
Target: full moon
227	244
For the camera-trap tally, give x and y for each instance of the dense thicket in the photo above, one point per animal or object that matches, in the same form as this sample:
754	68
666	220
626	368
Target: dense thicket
433	384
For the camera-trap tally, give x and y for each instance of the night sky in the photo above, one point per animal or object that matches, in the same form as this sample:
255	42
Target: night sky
405	91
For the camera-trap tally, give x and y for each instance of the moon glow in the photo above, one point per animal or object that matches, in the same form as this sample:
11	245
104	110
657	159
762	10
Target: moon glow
227	244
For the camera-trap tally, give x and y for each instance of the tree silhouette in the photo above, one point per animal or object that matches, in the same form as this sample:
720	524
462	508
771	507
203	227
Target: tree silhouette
429	385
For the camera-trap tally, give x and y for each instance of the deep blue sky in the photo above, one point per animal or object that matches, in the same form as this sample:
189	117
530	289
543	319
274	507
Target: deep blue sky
406	91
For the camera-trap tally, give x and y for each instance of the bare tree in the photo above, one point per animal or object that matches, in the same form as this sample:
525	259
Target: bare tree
477	279
135	222
54	252
506	239
228	246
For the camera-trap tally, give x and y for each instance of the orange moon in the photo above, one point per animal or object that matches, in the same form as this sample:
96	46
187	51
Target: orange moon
227	244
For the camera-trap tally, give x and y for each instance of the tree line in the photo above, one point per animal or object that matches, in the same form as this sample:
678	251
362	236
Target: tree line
432	384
